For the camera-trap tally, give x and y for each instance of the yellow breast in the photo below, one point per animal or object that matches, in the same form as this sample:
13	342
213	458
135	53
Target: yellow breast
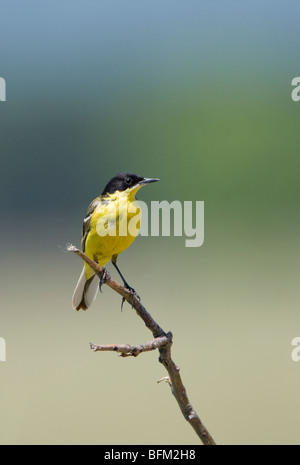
114	225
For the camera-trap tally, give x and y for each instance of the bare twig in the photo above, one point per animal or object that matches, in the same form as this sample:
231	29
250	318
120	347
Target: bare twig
126	350
162	341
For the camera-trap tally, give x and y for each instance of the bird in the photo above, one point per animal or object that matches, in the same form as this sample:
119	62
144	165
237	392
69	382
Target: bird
110	226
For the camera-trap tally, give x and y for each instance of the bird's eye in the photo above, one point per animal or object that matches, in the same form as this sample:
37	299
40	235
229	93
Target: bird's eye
128	181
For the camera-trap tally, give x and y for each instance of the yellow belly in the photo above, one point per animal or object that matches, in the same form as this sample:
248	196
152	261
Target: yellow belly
113	228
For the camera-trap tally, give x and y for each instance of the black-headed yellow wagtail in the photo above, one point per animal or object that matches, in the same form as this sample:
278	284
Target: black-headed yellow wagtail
111	224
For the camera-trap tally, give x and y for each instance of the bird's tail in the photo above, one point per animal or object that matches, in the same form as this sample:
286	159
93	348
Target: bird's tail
85	292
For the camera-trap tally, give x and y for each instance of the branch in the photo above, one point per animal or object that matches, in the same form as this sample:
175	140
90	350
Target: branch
162	341
126	294
127	350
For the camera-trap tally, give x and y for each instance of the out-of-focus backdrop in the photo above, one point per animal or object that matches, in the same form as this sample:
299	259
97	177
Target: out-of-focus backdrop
199	95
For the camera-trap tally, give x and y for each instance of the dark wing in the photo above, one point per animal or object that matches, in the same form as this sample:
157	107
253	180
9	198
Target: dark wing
87	221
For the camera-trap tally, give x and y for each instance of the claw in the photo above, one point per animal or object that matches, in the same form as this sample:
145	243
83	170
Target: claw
102	280
122	303
133	293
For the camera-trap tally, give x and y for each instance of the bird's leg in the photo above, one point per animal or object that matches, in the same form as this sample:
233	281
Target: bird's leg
114	262
123	279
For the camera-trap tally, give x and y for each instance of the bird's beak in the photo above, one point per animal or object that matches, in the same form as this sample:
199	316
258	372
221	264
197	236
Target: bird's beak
147	181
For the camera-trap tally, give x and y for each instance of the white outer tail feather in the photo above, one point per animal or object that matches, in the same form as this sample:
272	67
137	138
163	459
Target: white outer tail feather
79	292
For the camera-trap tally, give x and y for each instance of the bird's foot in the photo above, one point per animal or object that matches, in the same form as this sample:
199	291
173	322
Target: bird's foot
133	294
103	280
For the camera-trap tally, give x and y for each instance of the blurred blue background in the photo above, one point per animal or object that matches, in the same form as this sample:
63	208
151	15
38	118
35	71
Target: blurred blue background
197	93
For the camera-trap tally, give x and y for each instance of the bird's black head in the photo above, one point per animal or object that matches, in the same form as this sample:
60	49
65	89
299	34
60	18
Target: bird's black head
124	181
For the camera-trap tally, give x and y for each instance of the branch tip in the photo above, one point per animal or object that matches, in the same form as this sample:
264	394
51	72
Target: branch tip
165	378
71	248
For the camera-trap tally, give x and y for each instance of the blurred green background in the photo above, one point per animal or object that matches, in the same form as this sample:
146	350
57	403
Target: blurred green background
199	95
